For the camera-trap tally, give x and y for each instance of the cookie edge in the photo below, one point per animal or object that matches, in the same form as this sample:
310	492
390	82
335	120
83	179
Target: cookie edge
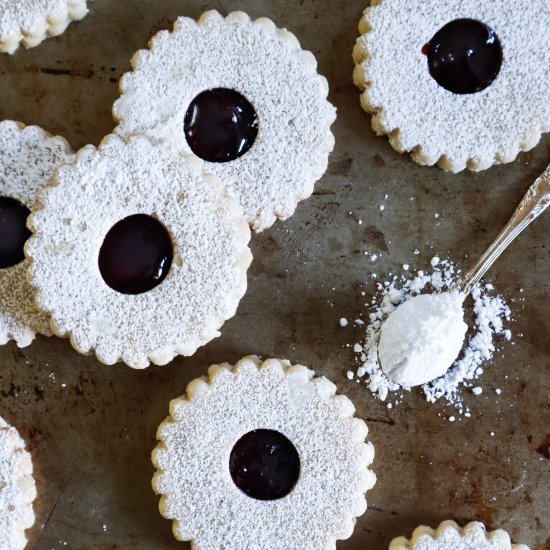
402	543
47	26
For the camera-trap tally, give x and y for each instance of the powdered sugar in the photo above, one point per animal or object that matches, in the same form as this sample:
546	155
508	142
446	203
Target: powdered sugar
449	536
489	313
421	338
207	277
17	489
455	131
31	21
196	440
268	67
28	158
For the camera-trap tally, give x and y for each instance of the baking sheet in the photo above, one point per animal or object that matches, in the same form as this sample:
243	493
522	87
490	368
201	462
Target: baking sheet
91	427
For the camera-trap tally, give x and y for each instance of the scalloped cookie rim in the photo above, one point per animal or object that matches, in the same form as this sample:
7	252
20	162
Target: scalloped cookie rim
499	536
47	25
22	482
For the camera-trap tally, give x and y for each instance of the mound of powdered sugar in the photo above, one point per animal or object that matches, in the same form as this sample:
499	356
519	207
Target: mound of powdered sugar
422	337
489	313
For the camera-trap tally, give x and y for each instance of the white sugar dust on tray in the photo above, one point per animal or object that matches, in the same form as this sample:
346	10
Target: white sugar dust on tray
417	335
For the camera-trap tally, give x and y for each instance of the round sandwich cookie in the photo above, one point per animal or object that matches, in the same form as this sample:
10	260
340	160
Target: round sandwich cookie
262	455
29	22
244	97
28	158
457	84
17	489
136	253
449	536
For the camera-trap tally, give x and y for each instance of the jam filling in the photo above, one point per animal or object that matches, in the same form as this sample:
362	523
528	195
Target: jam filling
464	56
13	231
220	125
136	255
265	465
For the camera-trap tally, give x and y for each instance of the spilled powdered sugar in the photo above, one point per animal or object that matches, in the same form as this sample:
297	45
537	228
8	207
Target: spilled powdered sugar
489	315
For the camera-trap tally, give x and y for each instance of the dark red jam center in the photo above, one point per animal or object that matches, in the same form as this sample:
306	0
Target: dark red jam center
464	56
265	465
13	231
220	125
136	255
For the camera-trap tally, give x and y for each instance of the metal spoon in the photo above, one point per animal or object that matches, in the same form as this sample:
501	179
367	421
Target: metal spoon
533	204
401	362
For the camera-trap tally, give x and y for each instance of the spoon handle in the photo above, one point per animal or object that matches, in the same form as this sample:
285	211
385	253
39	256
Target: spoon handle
534	203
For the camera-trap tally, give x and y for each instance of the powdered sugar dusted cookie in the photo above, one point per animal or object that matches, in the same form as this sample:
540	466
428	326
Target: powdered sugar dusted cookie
262	455
461	84
449	536
17	489
244	97
28	158
28	22
136	253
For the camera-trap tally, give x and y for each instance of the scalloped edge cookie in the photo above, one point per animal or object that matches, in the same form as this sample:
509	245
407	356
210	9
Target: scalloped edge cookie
207	277
17	489
30	29
436	126
268	67
195	441
29	156
426	538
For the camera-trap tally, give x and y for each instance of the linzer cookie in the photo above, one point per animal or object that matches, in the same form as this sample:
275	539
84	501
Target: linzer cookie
28	158
137	255
245	98
17	489
460	84
29	22
262	455
449	536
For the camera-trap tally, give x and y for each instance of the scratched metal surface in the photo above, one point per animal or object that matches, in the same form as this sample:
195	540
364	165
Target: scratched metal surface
91	428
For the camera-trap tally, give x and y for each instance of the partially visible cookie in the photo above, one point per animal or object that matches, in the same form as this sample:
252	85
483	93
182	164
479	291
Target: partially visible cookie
449	536
262	455
17	489
244	97
28	158
137	255
457	84
29	22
